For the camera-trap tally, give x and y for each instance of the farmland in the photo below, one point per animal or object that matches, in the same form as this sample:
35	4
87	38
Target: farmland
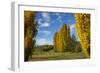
39	55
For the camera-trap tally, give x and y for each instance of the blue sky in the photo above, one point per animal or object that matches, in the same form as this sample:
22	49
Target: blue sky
49	23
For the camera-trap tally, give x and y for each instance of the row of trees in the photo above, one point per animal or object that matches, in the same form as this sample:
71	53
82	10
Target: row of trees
63	41
30	31
82	27
62	38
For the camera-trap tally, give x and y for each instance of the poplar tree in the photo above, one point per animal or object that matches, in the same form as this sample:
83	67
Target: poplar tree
62	39
82	27
30	31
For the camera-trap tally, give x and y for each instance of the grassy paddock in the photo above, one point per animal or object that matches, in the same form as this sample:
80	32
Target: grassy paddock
51	55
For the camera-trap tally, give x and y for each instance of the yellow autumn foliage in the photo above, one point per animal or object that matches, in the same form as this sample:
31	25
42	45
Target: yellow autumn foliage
29	33
62	39
82	27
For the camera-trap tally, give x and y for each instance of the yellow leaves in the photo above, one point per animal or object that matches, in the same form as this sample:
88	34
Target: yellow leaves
82	27
29	19
28	15
61	39
29	27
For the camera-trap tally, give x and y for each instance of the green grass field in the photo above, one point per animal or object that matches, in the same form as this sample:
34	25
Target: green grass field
52	55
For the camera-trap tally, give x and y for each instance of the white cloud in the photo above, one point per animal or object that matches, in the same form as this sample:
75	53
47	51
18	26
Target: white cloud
42	41
59	18
39	21
45	20
56	13
45	24
45	15
45	32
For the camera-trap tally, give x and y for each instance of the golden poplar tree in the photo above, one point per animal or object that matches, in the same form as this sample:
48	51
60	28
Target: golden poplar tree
30	30
82	27
64	36
62	39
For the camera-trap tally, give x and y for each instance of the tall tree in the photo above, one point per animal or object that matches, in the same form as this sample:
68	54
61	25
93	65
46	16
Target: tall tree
64	32
83	30
30	31
62	39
